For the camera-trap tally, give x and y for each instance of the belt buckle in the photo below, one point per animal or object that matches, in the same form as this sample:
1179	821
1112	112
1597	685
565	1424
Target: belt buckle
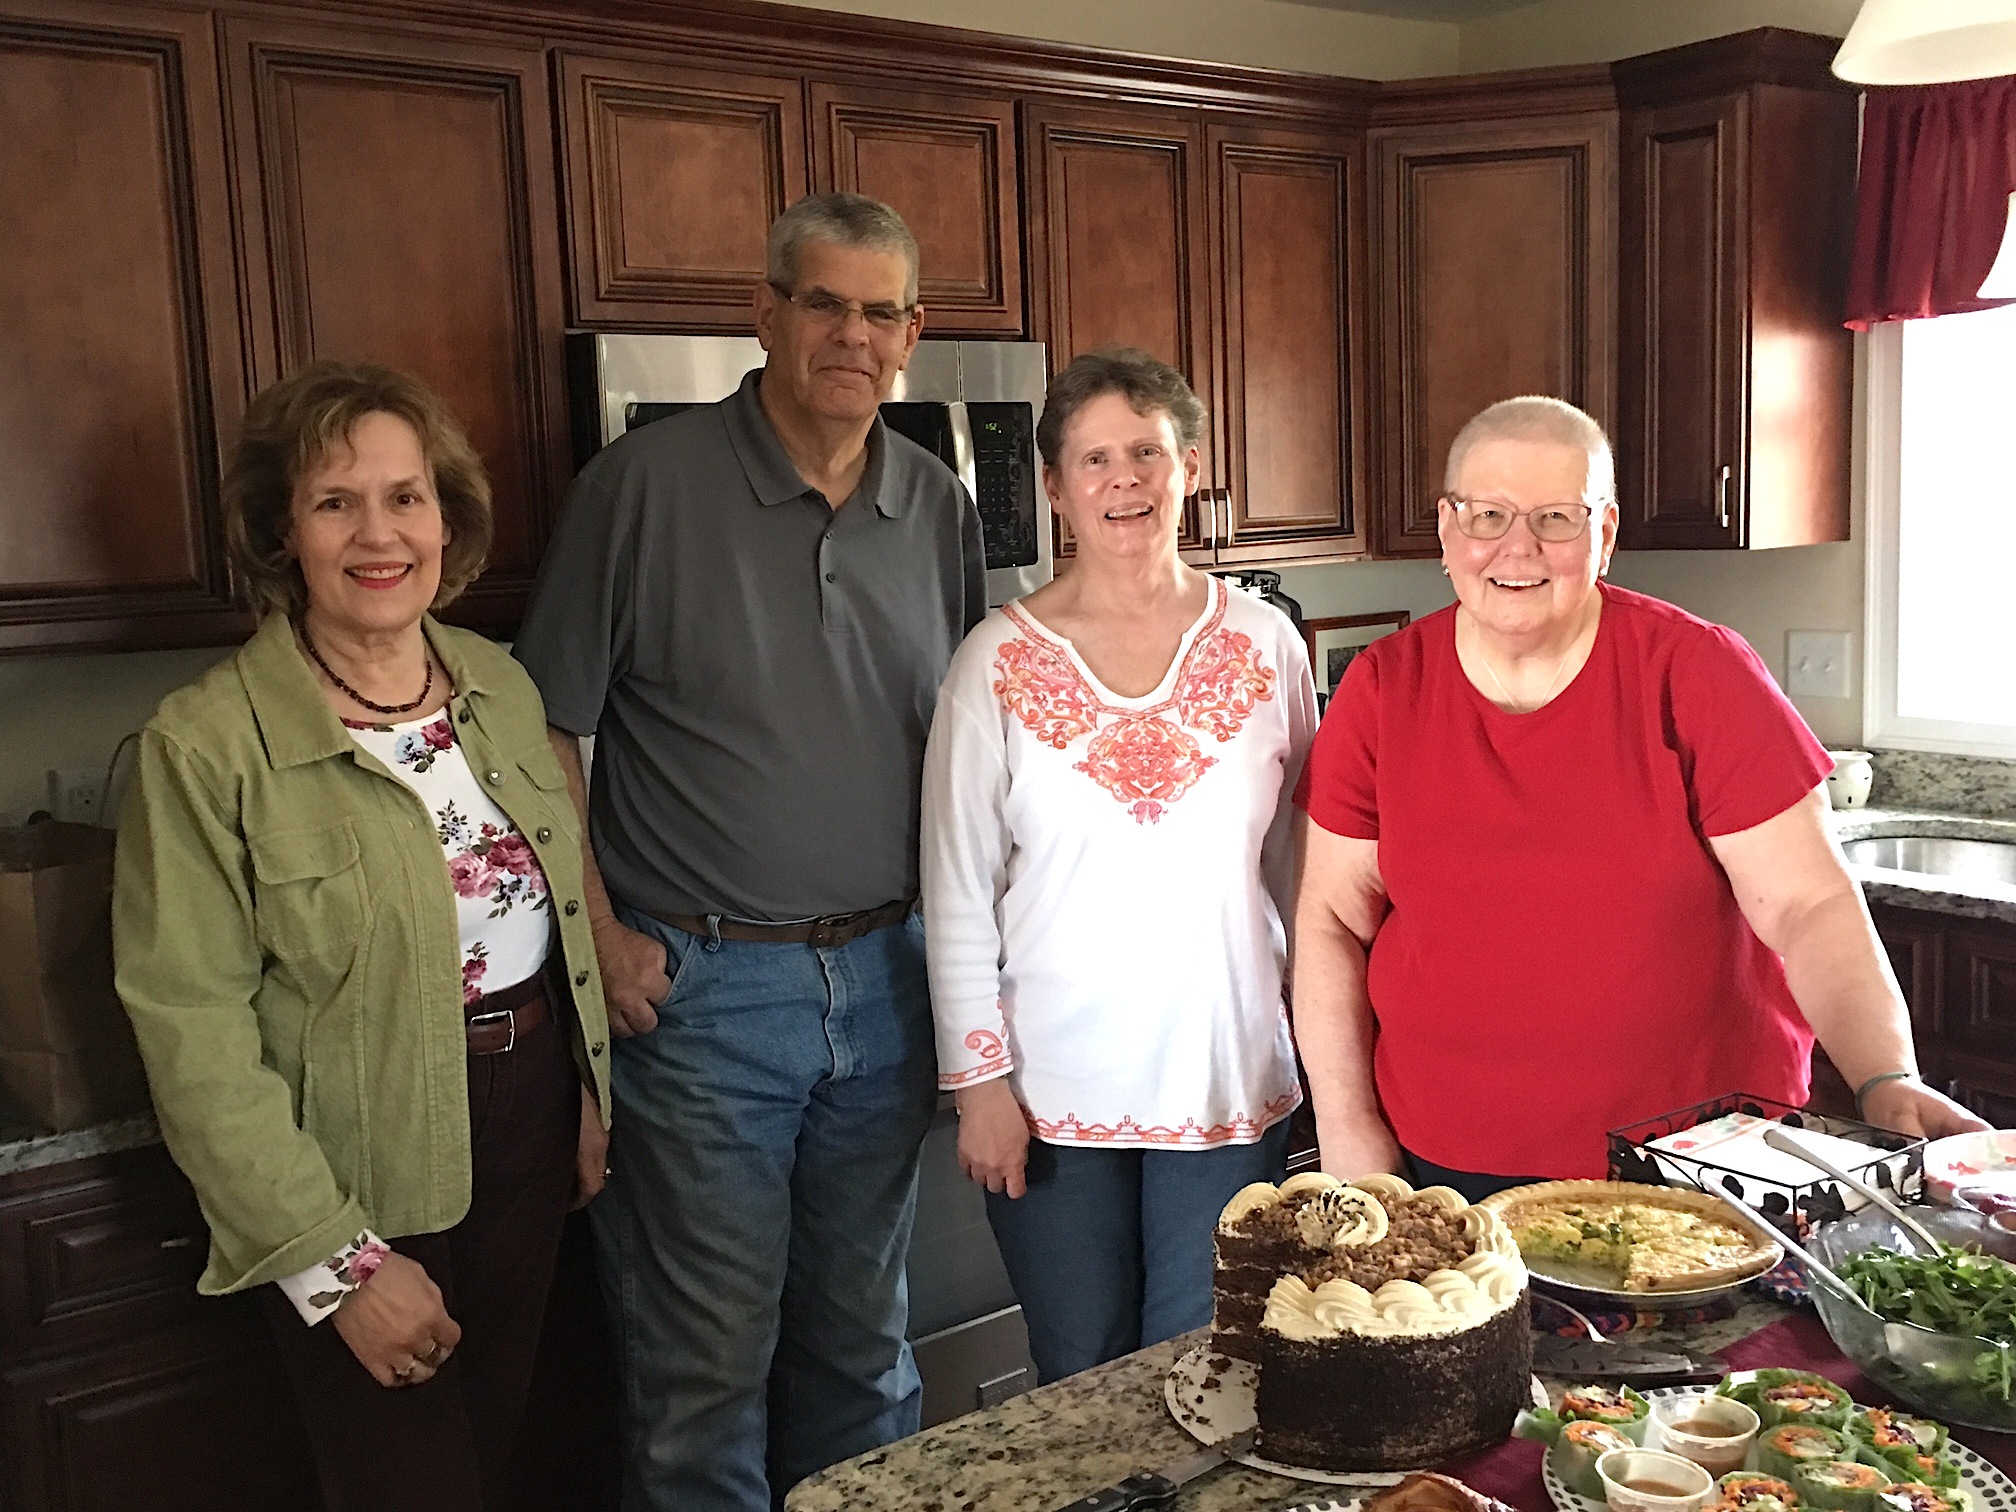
826	930
510	1018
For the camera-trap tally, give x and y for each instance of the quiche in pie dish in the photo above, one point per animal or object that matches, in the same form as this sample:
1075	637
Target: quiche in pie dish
1633	1238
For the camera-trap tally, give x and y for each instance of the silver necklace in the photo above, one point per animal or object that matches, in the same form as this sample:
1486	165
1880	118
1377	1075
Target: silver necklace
1559	667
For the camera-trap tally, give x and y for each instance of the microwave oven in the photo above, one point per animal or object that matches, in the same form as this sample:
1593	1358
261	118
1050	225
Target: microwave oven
972	404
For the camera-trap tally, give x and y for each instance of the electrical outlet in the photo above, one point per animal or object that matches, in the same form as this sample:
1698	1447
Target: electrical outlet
993	1393
1816	663
76	794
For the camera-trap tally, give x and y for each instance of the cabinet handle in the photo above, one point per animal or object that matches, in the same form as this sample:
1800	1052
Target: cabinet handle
1209	499
1722	496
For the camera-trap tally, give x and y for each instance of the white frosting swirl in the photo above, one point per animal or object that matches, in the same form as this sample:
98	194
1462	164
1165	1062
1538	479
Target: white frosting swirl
1342	1218
1248	1200
1309	1181
1486	1283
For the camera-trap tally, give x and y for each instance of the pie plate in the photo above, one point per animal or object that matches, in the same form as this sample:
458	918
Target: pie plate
1211	1397
1577	1285
1991	1490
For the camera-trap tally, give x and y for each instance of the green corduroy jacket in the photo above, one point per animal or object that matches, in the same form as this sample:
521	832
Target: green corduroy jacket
285	940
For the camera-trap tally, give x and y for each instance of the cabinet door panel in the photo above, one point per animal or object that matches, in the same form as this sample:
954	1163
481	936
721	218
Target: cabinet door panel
673	178
1681	280
1496	244
948	166
1287	209
1912	941
406	194
197	1419
1984	1084
1979	1011
119	329
1117	249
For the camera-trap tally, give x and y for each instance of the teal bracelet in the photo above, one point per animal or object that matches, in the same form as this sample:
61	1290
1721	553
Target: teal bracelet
1876	1081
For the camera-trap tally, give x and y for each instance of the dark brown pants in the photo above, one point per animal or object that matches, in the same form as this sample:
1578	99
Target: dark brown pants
445	1446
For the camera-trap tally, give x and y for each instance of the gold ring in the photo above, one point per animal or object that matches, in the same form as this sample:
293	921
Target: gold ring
433	1356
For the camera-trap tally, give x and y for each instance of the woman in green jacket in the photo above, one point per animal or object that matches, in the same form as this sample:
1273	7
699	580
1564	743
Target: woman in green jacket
348	929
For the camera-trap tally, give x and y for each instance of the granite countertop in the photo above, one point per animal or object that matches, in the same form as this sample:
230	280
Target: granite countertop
24	1149
1041	1450
1968	897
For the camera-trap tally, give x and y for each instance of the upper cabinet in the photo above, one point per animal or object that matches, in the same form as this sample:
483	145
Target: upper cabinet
399	207
1288	246
673	177
1495	250
119	328
1738	186
947	164
1118	255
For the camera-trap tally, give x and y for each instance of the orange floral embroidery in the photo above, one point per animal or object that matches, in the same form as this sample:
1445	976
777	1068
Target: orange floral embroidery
1127	1131
1222	682
1040	687
986	1044
1145	763
1146	758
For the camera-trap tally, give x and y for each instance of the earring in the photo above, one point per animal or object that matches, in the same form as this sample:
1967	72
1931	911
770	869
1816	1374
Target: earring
1445	572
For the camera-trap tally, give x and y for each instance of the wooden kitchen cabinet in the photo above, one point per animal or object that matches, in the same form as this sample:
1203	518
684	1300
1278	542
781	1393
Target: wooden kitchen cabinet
1494	278
397	197
948	165
119	328
1118	253
674	175
119	1386
1287	214
1737	212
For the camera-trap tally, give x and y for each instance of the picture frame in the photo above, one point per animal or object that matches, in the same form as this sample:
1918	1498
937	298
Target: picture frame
1335	642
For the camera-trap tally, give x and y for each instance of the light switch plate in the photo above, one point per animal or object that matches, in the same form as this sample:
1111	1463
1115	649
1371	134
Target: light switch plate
1816	663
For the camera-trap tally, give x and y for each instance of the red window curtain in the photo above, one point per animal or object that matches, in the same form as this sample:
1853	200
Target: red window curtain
1938	166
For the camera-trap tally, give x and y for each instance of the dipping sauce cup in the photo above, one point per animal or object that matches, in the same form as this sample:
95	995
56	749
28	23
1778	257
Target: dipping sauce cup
1715	1432
1648	1480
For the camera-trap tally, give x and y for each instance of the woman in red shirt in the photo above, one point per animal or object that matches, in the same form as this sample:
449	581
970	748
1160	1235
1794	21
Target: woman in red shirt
1567	863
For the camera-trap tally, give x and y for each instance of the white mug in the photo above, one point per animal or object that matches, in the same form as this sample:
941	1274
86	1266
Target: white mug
1848	783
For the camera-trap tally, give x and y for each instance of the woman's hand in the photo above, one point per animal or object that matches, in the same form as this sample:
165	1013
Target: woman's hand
633	977
396	1324
1907	1106
591	1152
993	1136
1358	1148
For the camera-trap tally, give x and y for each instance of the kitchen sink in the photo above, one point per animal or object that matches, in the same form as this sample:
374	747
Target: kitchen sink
1937	856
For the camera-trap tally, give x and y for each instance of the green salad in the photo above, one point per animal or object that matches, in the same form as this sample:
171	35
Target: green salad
1953	1292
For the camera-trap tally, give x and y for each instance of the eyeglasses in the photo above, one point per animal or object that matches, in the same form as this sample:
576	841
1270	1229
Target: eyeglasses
830	309
1487	520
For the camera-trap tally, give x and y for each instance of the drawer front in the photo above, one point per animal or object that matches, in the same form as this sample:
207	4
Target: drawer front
119	1246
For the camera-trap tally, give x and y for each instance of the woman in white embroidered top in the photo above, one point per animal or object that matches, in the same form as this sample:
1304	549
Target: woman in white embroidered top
348	889
1106	857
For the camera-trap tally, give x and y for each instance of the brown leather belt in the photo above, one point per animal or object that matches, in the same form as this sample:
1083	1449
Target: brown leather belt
833	929
497	1018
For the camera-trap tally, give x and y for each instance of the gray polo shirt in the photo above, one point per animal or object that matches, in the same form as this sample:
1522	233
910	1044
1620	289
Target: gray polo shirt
758	669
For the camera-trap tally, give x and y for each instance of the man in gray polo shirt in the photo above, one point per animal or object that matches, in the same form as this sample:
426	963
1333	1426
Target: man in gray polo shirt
751	606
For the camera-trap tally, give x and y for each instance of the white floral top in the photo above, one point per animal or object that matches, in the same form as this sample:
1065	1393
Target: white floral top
502	902
500	893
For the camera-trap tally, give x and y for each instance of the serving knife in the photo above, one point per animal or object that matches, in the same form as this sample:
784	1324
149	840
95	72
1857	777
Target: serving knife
1157	1488
1588	1360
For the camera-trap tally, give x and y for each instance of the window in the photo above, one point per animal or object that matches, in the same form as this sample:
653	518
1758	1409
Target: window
1942	509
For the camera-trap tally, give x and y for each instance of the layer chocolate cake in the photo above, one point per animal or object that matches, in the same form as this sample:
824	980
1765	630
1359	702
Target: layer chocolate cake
1391	1327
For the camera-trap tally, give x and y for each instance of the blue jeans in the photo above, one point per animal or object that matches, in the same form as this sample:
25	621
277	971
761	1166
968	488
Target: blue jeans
1110	1251
753	1234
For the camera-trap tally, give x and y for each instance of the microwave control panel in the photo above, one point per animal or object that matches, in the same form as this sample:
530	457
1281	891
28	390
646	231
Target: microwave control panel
1004	472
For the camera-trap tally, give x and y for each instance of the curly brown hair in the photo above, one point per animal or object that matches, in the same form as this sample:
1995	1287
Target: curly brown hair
1146	384
290	426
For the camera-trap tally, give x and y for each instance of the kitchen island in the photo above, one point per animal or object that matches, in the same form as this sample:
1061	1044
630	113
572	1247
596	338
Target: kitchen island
1039	1451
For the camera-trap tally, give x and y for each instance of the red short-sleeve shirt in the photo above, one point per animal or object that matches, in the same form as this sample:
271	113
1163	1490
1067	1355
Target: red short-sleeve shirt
1564	955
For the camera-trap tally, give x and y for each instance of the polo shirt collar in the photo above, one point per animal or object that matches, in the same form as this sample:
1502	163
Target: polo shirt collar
295	720
773	478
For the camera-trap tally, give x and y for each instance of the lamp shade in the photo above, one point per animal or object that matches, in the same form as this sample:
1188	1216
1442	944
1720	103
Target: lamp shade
1929	42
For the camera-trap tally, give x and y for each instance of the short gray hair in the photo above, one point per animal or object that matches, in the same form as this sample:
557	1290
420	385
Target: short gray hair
1146	383
845	220
1536	417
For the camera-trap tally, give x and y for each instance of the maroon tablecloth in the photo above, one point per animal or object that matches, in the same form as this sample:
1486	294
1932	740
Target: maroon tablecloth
1511	1472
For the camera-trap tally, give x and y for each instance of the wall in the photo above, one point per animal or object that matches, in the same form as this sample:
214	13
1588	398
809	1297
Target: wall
1601	31
1261	33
